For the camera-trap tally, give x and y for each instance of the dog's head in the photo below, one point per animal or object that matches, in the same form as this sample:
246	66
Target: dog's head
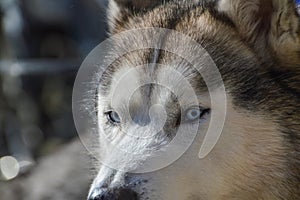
159	97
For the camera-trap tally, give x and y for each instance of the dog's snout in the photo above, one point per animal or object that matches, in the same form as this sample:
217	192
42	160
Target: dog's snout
113	194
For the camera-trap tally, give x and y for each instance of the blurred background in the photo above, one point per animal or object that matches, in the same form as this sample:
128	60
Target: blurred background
42	44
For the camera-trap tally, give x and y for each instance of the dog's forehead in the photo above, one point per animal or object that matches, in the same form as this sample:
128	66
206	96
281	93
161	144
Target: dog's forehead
163	82
206	31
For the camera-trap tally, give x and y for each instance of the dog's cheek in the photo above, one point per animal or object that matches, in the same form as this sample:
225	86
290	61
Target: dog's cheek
248	139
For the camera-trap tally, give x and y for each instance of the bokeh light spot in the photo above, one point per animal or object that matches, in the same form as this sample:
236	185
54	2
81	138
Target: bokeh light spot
9	167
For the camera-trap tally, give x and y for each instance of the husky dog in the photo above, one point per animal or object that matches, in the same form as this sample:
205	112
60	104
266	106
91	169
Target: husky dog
256	47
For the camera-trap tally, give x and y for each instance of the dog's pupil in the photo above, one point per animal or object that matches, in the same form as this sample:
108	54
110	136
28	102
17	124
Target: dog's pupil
114	117
194	113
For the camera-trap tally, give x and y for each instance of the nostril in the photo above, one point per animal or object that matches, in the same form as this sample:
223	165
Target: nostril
126	194
114	194
97	198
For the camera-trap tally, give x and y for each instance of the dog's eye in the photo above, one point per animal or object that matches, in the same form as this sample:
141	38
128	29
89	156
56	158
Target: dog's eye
195	114
113	117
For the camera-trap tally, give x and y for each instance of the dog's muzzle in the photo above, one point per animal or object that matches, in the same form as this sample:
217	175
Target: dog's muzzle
113	194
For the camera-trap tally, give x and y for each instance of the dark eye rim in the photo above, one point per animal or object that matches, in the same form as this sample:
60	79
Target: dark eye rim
110	119
204	112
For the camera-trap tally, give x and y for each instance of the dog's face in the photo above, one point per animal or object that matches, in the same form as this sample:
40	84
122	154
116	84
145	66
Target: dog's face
148	97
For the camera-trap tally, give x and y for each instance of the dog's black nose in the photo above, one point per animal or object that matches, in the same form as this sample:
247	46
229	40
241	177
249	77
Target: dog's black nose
113	194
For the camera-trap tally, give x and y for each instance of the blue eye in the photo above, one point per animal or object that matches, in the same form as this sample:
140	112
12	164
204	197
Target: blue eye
113	117
195	113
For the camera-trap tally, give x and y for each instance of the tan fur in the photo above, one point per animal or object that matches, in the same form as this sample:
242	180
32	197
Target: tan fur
254	167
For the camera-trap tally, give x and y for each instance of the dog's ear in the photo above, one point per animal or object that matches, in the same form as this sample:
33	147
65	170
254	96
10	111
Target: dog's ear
120	10
267	26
